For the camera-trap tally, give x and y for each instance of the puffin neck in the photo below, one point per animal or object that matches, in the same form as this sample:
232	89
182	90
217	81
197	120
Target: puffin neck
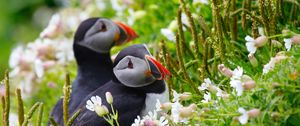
90	63
157	86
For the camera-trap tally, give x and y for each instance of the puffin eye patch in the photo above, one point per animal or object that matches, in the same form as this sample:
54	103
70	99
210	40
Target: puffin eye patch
103	27
130	64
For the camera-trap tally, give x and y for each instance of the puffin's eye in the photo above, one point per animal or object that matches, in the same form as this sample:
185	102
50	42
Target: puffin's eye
130	64
103	27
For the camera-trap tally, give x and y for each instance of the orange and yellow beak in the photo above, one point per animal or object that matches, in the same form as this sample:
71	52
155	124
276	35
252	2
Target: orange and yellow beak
131	34
157	69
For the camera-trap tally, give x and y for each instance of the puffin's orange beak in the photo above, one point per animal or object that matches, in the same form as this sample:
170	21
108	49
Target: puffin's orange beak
164	72
131	34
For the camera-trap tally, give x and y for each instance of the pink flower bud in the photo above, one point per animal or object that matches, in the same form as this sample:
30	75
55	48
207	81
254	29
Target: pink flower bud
186	112
24	65
185	96
248	85
253	113
261	41
48	64
296	39
109	97
225	71
166	106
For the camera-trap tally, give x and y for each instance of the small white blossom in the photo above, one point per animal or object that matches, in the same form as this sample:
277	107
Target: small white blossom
205	85
168	34
235	81
287	44
243	119
250	44
54	27
237	85
184	19
93	103
175	96
238	72
207	97
151	119
219	92
39	68
268	67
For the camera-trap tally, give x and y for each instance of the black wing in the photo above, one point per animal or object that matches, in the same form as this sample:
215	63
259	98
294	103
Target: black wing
127	101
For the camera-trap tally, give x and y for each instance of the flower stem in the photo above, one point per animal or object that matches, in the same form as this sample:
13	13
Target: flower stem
66	99
20	106
40	115
30	113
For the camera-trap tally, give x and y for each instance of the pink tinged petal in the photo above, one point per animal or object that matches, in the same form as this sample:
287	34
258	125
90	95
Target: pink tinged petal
249	39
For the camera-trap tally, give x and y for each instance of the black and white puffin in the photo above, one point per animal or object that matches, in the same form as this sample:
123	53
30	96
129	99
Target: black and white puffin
137	83
92	43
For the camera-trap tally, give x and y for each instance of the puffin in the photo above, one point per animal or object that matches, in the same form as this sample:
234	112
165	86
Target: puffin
93	40
136	85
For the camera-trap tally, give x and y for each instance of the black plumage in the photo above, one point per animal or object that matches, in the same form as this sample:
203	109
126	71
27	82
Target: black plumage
94	68
128	101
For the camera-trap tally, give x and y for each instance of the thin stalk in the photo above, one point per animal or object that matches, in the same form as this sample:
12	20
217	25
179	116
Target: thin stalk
234	22
219	30
168	65
75	115
193	30
3	110
66	99
20	106
40	115
7	100
52	122
28	116
181	64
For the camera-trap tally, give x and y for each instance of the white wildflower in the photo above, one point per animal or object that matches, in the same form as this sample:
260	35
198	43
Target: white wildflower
243	119
95	104
151	119
207	97
54	27
288	44
205	85
235	80
250	44
39	68
168	34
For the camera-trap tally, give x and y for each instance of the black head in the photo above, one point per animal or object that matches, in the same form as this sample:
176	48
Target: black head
135	67
100	34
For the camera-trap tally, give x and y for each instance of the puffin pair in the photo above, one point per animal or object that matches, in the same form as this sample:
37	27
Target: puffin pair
135	78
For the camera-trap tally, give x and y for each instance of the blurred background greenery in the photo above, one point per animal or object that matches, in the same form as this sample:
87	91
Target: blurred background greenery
21	21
